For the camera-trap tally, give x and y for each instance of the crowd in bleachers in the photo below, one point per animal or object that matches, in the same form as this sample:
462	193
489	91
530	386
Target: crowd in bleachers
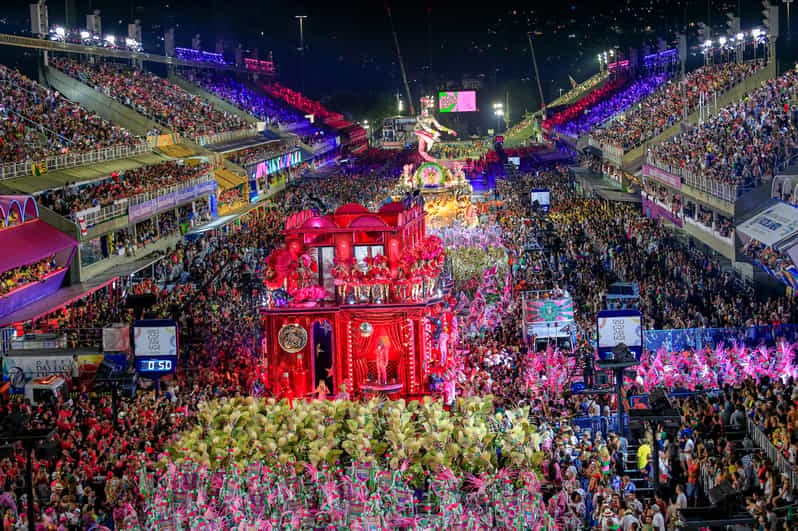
260	153
666	197
94	478
37	122
152	96
246	99
586	244
623	100
18	277
578	108
743	144
664	108
146	179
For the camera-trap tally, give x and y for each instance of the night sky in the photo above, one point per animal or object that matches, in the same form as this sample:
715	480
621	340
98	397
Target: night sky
349	47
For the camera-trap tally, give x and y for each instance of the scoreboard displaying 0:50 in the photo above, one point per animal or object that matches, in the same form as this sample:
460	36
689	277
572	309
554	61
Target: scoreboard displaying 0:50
155	345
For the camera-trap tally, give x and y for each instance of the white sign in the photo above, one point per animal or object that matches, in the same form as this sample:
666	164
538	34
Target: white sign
155	341
542	196
34	366
613	331
772	225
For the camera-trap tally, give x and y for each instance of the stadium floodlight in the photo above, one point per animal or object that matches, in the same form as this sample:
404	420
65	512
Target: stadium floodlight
85	34
722	41
110	39
60	31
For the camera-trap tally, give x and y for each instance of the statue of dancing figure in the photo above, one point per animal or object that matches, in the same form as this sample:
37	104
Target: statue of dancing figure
428	129
382	361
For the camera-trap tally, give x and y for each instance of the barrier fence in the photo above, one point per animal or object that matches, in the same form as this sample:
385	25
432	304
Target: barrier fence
776	457
71	160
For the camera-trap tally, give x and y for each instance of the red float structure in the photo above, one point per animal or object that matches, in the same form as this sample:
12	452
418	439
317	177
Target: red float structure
356	298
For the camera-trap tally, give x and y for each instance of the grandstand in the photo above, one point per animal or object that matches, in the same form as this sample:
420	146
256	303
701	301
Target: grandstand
659	116
125	162
41	254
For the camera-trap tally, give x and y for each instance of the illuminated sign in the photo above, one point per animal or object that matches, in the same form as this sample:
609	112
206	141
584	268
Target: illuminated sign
457	101
155	344
617	327
268	167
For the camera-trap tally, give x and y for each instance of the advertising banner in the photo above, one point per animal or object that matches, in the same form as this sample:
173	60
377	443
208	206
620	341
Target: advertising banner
674	181
38	365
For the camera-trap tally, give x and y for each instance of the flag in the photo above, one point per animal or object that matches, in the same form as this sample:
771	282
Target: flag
573	81
541	311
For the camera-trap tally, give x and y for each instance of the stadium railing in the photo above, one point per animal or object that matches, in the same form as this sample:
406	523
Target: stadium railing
71	160
776	457
228	136
92	217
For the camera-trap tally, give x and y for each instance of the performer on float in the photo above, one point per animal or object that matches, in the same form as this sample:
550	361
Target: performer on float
428	129
382	361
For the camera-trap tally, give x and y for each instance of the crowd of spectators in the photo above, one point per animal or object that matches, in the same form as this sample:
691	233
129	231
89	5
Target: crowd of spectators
152	96
74	198
580	107
260	153
586	244
247	99
743	144
664	108
18	277
603	111
768	256
668	199
38	122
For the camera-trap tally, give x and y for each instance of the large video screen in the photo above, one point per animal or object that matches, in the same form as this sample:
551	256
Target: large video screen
457	101
155	344
155	338
619	326
542	196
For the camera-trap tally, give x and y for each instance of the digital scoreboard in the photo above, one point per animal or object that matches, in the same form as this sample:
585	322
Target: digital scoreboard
155	345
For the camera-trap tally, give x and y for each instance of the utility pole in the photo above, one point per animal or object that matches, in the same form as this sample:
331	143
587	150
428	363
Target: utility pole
301	19
401	63
506	109
537	75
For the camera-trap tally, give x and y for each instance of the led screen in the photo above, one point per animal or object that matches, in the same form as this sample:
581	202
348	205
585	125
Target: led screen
155	340
542	196
457	101
619	326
